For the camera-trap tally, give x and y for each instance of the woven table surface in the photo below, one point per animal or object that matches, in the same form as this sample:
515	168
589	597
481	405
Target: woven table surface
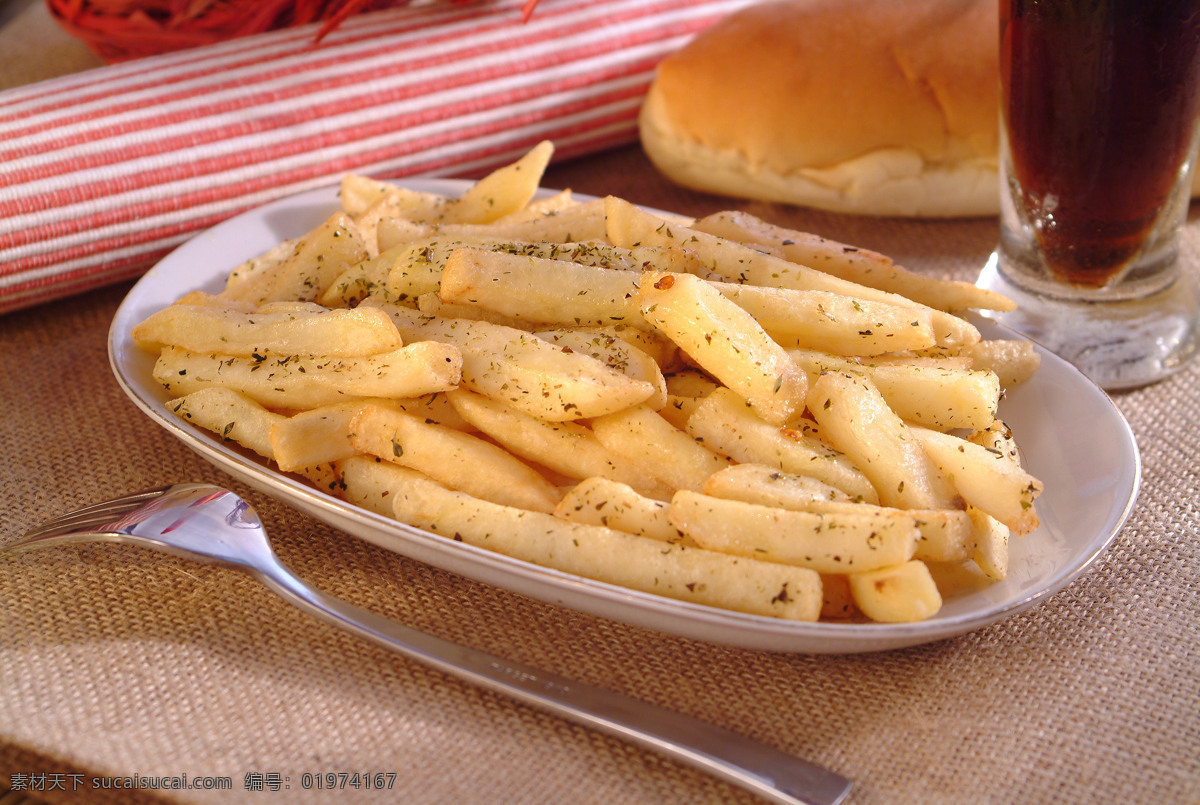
116	662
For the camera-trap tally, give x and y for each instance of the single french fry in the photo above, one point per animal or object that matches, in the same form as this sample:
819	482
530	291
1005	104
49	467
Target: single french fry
643	436
932	396
318	259
832	322
664	353
567	448
992	483
540	290
260	264
525	371
614	557
943	534
945	399
543	205
417	265
904	593
372	483
457	459
231	415
317	435
393	233
851	263
300	382
335	333
991	544
615	353
1014	361
726	341
855	418
359	194
601	501
770	486
841	543
576	223
503	191
205	299
725	424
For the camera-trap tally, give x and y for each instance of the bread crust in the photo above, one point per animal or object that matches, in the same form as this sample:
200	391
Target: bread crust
884	107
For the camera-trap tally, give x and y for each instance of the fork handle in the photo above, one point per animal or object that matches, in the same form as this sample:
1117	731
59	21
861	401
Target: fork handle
765	770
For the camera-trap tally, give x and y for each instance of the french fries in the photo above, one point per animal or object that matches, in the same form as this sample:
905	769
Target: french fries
530	373
297	382
667	453
720	411
726	341
851	263
640	563
856	419
841	543
727	425
601	501
457	459
314	263
568	448
898	594
736	262
303	331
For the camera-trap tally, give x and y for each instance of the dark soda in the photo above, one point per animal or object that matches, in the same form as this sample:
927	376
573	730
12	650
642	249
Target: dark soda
1100	100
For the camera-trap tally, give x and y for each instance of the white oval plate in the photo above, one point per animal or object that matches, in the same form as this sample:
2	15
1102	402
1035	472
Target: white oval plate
1073	438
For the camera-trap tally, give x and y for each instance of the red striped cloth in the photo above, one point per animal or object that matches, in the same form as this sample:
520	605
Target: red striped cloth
104	172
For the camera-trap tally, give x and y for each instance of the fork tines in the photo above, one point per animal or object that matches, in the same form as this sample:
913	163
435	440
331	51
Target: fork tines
92	517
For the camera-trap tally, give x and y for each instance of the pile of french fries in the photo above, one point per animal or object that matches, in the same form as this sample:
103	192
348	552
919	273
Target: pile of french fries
719	410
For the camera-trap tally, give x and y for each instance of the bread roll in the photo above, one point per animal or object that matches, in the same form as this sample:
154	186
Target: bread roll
876	107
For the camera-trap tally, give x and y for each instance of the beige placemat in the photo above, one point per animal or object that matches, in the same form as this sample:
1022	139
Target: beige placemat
116	662
33	47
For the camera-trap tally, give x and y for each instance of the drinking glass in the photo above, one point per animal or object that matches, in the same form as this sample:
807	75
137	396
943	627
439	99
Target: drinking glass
1100	119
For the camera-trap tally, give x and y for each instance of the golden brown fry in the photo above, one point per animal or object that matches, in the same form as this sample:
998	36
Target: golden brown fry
841	543
457	459
608	555
334	333
297	382
725	424
318	259
856	419
900	594
647	439
600	501
851	263
726	341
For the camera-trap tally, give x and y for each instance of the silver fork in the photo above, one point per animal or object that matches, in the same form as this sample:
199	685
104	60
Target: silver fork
213	525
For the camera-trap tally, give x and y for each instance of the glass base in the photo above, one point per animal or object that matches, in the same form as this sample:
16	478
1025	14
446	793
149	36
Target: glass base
1118	344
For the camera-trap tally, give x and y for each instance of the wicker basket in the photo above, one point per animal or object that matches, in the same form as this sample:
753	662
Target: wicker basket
119	30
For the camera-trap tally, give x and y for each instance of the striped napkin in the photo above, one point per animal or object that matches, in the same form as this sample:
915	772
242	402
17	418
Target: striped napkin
104	172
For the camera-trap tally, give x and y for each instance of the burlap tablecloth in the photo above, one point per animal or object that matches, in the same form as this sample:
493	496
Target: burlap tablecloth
118	662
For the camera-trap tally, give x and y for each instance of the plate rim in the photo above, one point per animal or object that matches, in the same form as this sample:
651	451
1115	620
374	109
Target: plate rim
631	606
